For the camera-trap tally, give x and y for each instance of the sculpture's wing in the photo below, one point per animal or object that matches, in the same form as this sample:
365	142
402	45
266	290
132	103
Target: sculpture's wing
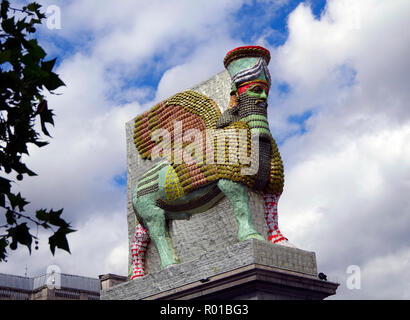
193	109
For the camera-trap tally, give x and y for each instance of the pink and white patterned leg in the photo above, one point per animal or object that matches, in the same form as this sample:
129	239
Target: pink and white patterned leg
271	217
138	250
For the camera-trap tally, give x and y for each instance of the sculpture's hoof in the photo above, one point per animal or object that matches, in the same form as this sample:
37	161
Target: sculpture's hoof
170	265
136	276
286	243
256	236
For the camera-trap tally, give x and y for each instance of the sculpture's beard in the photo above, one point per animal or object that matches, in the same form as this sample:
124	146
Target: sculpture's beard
251	106
254	112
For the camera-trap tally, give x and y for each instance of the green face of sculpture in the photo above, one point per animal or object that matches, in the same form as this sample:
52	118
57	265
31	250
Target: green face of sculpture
252	106
257	91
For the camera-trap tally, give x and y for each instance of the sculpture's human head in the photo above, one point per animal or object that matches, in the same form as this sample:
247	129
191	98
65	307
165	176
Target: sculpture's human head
248	68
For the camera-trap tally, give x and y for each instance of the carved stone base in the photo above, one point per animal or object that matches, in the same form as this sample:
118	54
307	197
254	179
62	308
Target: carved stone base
251	269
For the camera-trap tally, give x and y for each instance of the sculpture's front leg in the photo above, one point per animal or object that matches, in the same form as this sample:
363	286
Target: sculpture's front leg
237	195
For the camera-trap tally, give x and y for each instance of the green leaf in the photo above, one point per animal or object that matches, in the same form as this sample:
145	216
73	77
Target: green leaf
5	56
2	200
46	116
59	240
22	168
10	217
52	217
8	25
20	234
4	8
4	185
3	245
42	215
17	201
40	143
34	49
55	220
48	65
53	82
33	6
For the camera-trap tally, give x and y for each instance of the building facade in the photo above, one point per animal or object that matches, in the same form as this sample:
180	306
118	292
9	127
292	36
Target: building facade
57	286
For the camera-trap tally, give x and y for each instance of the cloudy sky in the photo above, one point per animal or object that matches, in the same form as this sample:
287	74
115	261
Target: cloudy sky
338	109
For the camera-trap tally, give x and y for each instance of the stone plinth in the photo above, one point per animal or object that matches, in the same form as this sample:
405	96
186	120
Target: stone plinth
251	269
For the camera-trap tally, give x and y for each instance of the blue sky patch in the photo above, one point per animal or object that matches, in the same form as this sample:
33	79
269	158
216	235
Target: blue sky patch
284	88
300	120
255	20
317	7
120	180
299	123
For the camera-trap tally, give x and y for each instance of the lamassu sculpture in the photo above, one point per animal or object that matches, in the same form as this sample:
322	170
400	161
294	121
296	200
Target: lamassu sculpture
207	155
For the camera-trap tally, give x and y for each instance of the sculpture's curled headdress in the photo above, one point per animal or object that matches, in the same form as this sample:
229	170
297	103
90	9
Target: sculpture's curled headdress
246	64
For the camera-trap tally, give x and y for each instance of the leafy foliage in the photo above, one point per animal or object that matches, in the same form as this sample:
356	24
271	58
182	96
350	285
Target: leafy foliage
25	75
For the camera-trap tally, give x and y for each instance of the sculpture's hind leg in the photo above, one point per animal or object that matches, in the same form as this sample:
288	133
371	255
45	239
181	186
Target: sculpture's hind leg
237	195
153	218
138	250
271	217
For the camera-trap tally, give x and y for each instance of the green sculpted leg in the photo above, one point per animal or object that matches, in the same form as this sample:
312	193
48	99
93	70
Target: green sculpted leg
154	219
237	194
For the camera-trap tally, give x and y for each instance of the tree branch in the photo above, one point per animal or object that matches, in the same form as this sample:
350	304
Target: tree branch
20	10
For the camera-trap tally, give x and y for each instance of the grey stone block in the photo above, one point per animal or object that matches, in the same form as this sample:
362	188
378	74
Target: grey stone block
213	264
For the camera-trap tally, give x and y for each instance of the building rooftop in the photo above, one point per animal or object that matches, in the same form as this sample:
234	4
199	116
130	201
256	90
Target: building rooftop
66	281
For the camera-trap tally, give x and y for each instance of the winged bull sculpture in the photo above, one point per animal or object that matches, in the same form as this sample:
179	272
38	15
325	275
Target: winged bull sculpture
208	155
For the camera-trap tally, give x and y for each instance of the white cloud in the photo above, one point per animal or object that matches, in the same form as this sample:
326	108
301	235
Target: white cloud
332	62
381	277
390	272
205	62
347	178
